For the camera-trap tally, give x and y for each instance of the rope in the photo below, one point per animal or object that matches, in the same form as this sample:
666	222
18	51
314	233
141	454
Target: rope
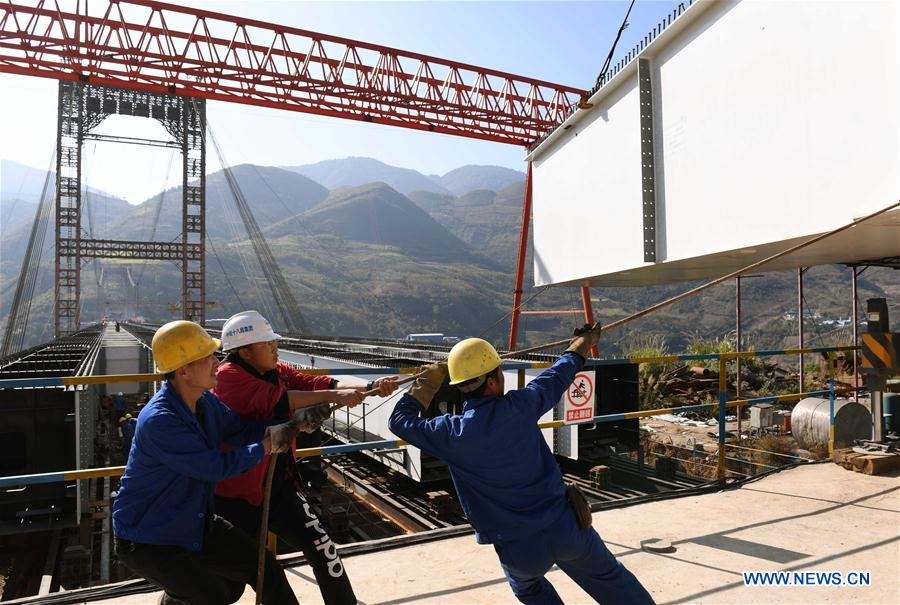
264	530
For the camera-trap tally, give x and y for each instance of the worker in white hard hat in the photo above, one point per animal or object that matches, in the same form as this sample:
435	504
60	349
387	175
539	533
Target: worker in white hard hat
506	478
255	385
163	517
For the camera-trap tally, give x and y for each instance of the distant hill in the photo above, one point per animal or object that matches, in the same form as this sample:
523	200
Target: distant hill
354	171
18	181
272	193
14	211
377	214
470	178
99	216
488	221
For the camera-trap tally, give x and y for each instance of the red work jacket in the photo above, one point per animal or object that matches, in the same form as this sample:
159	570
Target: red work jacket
253	398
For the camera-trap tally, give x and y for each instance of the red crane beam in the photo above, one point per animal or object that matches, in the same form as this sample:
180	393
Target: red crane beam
160	47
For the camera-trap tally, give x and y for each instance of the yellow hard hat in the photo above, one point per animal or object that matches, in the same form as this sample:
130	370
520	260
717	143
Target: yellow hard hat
179	343
471	358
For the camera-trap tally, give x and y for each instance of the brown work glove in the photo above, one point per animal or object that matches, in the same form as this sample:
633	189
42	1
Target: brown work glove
585	339
281	436
311	418
426	385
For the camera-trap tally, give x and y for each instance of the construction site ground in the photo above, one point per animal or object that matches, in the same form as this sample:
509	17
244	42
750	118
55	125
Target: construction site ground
812	518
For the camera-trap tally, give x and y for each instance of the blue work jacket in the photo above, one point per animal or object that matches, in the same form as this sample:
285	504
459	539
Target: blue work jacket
128	430
166	494
507	480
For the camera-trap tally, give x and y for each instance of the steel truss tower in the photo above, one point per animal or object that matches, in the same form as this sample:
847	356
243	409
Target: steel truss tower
82	107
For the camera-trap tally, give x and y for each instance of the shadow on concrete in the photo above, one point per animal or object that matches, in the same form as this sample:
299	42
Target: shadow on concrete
694	598
429	596
763	491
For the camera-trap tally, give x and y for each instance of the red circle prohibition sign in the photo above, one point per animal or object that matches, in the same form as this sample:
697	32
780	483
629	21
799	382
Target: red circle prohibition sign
586	384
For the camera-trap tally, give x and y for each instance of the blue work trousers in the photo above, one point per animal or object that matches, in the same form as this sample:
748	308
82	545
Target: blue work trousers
580	553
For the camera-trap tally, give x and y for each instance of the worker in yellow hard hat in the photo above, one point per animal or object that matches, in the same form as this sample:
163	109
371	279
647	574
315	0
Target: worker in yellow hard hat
507	480
127	426
163	517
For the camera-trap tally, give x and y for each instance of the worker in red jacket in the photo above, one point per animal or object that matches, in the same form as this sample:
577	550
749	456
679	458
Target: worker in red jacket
254	384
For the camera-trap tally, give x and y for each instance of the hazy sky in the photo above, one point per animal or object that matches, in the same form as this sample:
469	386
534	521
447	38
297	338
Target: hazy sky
562	42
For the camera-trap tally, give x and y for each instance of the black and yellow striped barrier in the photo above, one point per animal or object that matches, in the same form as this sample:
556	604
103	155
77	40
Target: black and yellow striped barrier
880	351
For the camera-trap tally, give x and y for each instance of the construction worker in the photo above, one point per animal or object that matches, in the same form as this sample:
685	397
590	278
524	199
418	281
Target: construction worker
163	517
254	384
119	402
506	477
127	425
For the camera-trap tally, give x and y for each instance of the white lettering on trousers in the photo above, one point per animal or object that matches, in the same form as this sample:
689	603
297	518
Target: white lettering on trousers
313	520
335	567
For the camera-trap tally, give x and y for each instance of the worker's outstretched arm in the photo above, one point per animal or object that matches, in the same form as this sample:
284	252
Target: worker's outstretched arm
431	435
545	391
344	397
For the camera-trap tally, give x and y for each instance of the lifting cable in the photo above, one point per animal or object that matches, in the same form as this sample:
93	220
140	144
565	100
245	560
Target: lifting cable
601	78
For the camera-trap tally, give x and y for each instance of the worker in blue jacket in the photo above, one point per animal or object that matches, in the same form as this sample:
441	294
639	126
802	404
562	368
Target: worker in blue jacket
163	516
127	426
507	480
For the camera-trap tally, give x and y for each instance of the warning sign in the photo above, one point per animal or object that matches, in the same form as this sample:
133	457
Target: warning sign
579	399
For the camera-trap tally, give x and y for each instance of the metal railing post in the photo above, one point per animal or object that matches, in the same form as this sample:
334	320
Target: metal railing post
831	416
723	397
521	373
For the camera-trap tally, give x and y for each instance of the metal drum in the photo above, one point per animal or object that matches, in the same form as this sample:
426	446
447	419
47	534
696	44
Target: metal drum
809	422
890	405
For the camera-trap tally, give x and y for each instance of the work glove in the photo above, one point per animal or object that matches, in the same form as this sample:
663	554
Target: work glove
430	381
281	436
585	338
309	419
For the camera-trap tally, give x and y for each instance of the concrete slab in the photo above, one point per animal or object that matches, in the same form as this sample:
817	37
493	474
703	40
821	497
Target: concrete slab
121	355
813	518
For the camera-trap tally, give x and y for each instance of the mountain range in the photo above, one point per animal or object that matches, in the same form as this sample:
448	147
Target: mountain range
371	249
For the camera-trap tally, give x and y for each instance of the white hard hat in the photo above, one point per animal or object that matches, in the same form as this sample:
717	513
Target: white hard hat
246	328
120	393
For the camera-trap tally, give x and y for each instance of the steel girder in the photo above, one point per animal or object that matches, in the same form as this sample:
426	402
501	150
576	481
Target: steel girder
105	248
160	47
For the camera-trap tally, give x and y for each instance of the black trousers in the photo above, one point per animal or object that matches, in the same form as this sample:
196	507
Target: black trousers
216	575
291	517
